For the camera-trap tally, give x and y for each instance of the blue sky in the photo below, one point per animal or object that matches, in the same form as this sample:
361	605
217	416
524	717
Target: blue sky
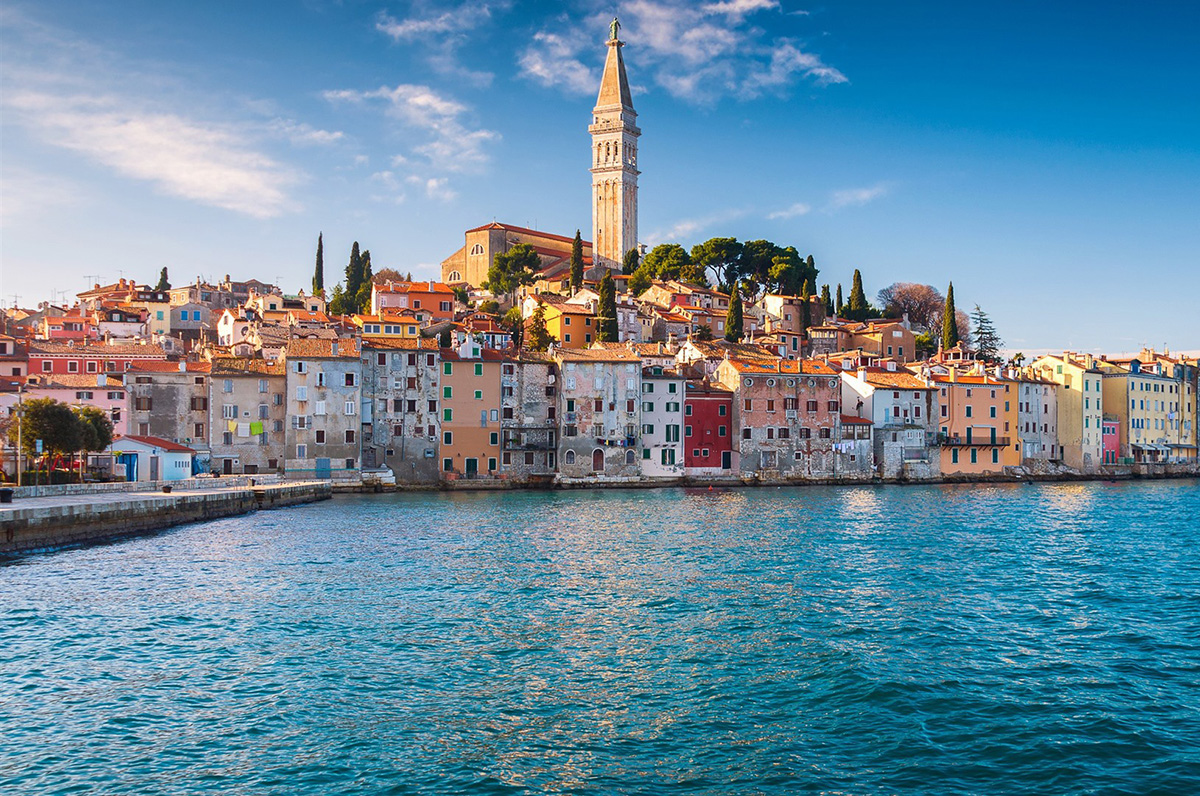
1046	157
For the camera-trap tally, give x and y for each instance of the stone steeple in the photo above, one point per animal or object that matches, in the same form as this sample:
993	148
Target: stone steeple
614	161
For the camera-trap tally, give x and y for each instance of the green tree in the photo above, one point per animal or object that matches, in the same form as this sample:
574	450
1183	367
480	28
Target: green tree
512	269
925	345
318	283
630	262
537	336
163	284
693	274
733	318
949	321
463	296
758	257
838	307
806	307
985	340
826	300
721	256
576	263
858	299
704	333
353	274
95	429
640	280
362	301
50	421
385	275
609	331
786	271
337	301
490	307
665	260
515	323
808	271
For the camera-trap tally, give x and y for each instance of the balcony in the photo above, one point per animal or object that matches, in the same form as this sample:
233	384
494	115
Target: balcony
973	442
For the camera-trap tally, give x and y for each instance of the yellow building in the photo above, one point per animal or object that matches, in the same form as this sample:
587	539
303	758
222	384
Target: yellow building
403	325
1150	408
1080	407
978	423
470	405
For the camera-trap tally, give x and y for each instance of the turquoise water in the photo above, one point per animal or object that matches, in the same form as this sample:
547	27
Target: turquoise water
926	640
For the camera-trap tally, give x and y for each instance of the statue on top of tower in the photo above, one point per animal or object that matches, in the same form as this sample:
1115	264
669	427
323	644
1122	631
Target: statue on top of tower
613	28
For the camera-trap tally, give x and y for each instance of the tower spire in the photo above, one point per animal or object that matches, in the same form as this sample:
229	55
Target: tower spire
614	160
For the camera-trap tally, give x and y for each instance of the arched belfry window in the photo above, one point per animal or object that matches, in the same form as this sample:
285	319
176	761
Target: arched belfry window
477	248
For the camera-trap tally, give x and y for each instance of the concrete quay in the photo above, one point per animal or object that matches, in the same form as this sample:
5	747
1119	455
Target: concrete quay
40	523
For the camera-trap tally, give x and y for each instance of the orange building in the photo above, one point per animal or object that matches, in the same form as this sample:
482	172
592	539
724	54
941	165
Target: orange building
431	301
978	423
470	407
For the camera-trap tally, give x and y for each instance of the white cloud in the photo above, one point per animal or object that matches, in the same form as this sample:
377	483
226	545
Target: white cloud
453	145
552	61
303	134
798	209
697	52
465	17
856	197
206	163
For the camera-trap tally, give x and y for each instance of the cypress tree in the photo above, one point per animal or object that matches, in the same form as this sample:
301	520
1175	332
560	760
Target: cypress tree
163	284
353	274
366	277
733	318
858	299
318	285
949	321
806	309
839	306
576	263
609	331
826	299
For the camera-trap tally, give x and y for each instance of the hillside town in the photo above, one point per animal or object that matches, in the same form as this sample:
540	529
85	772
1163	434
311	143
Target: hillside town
539	358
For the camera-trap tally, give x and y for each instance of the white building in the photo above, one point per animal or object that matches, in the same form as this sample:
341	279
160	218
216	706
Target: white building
662	422
152	458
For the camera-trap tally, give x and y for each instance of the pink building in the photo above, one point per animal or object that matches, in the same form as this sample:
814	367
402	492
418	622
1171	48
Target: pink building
1110	438
99	390
54	358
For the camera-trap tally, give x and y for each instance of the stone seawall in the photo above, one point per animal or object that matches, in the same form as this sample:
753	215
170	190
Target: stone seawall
38	524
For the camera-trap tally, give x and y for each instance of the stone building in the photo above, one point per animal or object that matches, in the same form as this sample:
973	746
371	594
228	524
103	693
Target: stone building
529	417
401	384
170	400
248	414
599	407
324	403
904	410
1037	419
615	135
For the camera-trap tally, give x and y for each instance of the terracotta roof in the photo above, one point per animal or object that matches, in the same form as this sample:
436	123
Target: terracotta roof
485	355
322	349
156	442
234	366
717	349
399	343
98	349
879	377
851	420
596	355
778	365
414	287
68	381
167	367
527	231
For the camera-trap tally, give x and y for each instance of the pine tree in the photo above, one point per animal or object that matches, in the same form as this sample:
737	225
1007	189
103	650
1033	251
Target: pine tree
318	285
576	263
537	336
826	299
987	342
163	284
609	331
733	318
949	321
837	308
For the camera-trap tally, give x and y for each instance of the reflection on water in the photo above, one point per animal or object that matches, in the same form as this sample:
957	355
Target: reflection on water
947	639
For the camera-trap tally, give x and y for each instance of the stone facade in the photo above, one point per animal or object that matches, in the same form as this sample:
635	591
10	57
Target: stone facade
599	406
614	169
324	403
243	392
170	400
529	417
401	380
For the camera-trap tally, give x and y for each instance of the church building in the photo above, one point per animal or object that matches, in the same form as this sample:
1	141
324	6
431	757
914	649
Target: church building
614	195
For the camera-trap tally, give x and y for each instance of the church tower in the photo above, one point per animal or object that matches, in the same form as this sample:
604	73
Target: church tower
614	161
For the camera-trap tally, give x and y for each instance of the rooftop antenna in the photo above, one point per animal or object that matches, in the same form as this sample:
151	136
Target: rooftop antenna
92	279
16	300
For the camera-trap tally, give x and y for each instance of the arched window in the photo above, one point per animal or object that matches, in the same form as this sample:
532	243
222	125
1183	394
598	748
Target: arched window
477	248
629	457
598	461
569	457
454	276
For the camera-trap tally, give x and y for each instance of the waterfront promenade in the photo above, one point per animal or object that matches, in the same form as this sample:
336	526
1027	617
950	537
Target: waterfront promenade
46	521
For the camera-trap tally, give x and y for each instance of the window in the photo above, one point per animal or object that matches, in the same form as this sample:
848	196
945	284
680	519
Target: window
478	368
72	367
826	433
968	411
351	408
569	457
302	451
302	367
349	436
811	406
91	366
721	410
447	415
447	438
447	392
748	405
447	367
746	433
319	408
320	436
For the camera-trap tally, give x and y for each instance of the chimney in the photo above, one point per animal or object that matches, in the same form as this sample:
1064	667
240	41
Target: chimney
862	373
183	367
953	374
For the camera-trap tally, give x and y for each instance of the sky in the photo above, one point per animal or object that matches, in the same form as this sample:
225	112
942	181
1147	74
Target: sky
1043	156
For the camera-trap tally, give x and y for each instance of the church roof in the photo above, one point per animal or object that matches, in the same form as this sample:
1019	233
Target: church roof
614	85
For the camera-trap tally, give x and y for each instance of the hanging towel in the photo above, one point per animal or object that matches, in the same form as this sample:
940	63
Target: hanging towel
231	426
243	429
256	428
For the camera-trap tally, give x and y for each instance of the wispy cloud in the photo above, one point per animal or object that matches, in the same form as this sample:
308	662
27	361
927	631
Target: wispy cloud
686	229
451	143
443	32
798	209
211	164
856	197
28	194
302	134
697	52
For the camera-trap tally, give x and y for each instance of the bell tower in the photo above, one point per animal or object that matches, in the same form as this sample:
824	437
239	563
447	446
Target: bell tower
614	161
